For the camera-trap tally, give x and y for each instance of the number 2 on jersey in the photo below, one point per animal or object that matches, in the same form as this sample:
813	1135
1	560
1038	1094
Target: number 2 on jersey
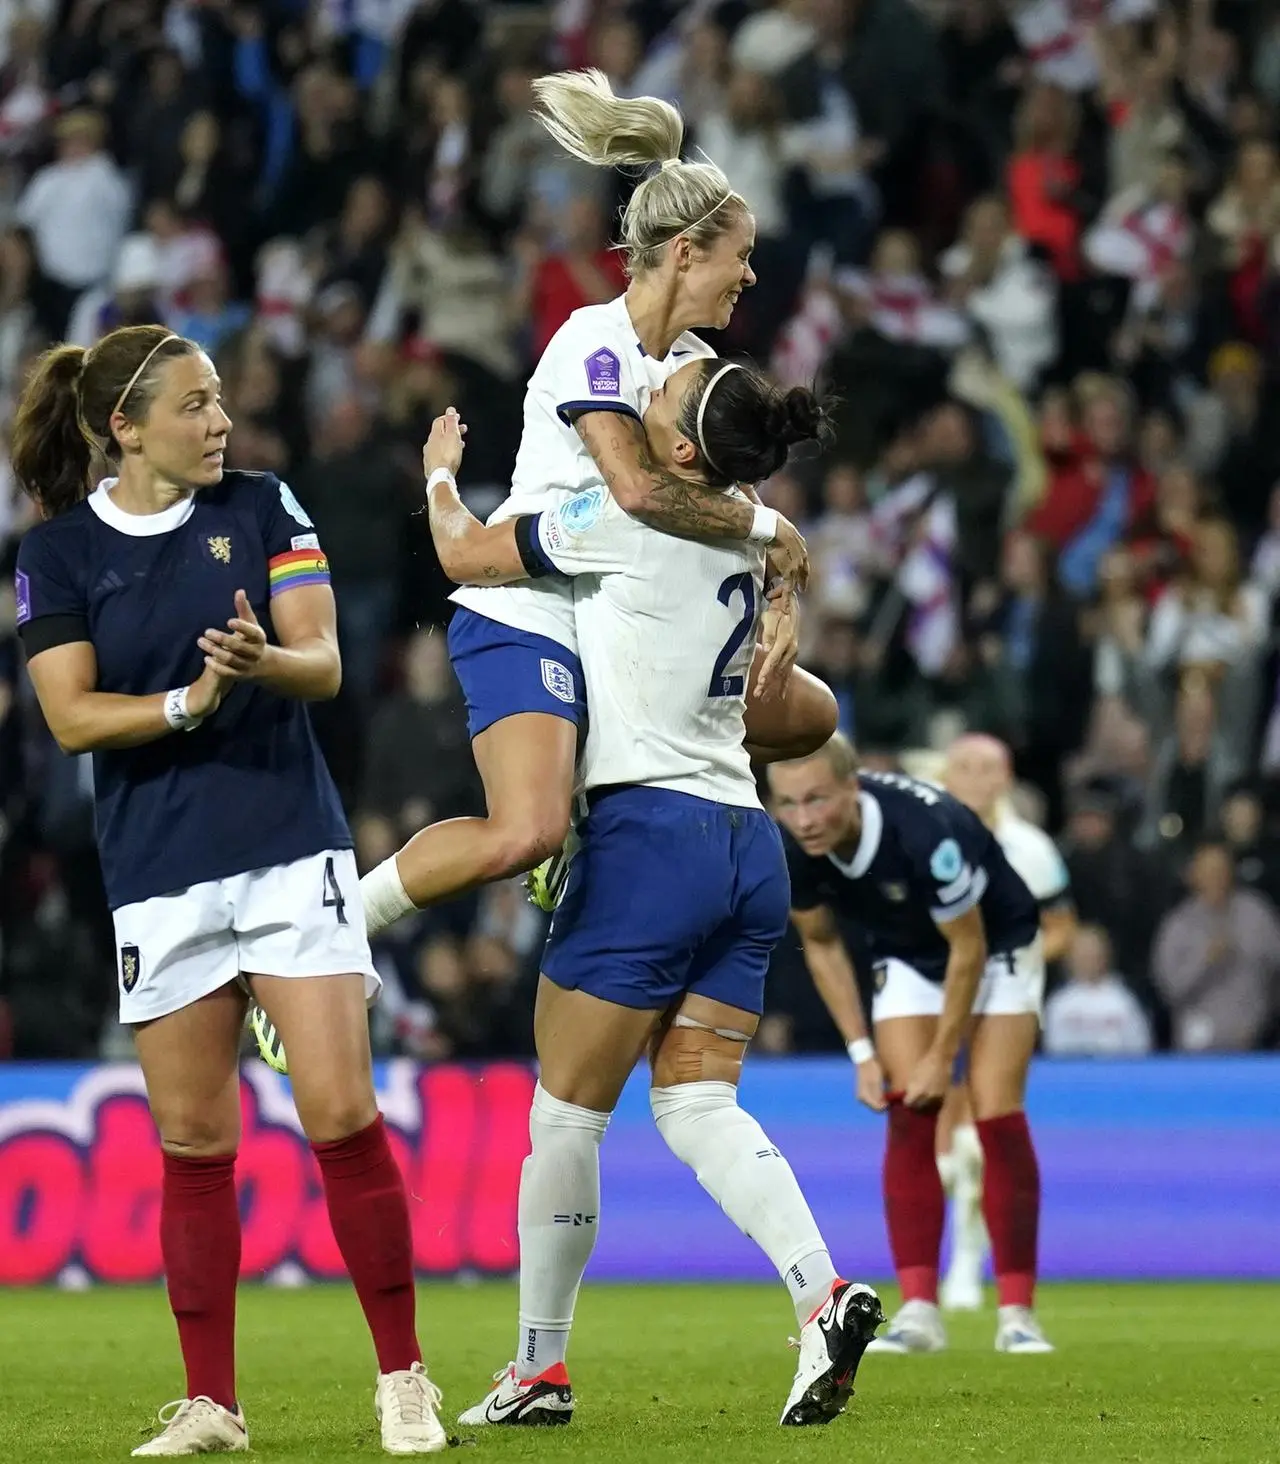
736	584
332	894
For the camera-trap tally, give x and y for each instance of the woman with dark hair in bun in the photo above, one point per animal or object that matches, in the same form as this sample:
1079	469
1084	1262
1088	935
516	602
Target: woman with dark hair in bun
678	891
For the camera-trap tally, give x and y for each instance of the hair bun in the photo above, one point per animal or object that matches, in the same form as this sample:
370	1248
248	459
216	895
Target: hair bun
796	416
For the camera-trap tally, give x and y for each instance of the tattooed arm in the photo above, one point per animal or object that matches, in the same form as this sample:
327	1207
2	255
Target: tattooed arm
674	505
471	553
650	493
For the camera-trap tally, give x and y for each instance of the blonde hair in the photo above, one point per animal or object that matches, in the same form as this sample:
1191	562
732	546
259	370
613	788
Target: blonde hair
579	109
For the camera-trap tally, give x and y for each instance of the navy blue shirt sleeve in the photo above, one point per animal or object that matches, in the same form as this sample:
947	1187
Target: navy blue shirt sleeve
806	886
943	869
52	607
294	555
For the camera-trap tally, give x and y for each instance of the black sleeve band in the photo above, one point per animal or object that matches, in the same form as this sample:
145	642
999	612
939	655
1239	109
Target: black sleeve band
48	631
531	555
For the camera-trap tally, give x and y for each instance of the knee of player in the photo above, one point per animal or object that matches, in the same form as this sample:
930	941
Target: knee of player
676	1105
190	1136
997	1101
334	1114
818	715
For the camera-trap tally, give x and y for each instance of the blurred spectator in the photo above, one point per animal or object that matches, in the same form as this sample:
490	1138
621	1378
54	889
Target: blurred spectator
1256	851
419	768
358	495
1145	231
1036	668
1195	762
1123	889
579	269
1098	492
1233	439
1044	177
841	545
77	209
133	299
1094	1014
1217	959
1210	617
19	321
993	278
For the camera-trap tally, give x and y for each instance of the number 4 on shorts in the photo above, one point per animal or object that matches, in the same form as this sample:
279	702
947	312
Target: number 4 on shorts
332	894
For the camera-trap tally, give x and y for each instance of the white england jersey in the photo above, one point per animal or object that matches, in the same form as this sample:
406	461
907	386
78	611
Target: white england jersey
666	632
594	362
1035	859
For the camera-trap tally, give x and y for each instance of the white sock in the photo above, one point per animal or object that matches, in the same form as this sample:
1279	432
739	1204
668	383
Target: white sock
384	898
559	1207
962	1177
750	1180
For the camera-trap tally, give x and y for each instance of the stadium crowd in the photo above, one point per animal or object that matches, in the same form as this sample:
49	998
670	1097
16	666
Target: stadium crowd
1032	249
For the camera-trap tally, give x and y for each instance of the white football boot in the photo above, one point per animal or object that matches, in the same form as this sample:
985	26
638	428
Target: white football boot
831	1345
546	1399
1018	1331
406	1404
196	1426
545	883
917	1327
270	1043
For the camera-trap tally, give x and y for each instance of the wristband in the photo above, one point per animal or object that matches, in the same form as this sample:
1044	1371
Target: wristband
440	475
764	526
176	713
861	1050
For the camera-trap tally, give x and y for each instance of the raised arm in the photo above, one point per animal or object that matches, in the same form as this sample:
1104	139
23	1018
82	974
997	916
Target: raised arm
682	507
471	553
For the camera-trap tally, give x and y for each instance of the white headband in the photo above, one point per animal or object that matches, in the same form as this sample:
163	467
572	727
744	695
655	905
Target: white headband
702	408
146	361
688	228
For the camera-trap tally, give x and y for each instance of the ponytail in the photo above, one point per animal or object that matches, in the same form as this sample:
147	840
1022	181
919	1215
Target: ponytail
51	453
579	109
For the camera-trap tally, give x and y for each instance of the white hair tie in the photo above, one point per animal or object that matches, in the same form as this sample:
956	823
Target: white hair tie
702	409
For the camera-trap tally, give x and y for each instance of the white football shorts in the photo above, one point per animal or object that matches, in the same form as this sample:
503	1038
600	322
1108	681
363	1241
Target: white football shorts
300	919
1010	986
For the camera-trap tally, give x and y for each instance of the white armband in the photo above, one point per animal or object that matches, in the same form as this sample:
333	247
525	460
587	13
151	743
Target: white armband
764	526
176	713
861	1050
440	475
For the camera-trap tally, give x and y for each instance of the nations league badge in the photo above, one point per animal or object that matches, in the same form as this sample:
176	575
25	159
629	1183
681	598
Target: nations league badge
582	510
22	593
603	374
130	966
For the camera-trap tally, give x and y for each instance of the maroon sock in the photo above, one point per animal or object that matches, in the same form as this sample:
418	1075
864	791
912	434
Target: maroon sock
369	1212
1011	1204
200	1243
914	1204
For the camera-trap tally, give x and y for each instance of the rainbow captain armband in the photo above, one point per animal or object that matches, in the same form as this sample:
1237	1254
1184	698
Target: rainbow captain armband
297	567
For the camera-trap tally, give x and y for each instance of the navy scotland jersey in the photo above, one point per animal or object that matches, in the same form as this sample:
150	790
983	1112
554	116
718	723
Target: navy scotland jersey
923	857
249	788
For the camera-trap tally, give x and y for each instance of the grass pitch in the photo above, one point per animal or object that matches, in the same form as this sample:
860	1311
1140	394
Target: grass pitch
675	1375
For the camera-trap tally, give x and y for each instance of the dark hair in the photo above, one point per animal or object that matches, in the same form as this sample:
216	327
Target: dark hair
748	424
64	413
